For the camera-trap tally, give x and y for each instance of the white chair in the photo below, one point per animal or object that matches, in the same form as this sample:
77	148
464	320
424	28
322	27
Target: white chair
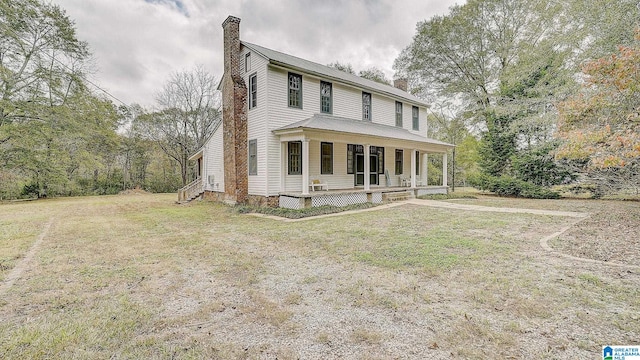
315	183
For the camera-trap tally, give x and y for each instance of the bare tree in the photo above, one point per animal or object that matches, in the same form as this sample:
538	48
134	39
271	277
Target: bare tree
189	110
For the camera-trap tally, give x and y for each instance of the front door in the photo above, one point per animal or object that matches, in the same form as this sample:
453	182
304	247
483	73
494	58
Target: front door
373	169
359	177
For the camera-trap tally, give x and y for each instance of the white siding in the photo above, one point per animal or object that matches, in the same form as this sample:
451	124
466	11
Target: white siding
256	119
213	161
424	125
347	102
383	110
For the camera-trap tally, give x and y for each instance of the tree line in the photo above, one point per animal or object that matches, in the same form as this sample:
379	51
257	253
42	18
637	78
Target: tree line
60	135
535	93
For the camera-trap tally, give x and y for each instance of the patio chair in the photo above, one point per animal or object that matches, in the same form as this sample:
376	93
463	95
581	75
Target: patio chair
315	183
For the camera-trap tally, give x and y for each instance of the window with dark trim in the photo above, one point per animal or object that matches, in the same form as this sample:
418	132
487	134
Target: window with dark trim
326	97
398	114
295	90
379	151
399	161
247	62
417	162
253	91
326	158
253	157
295	157
366	106
350	155
415	115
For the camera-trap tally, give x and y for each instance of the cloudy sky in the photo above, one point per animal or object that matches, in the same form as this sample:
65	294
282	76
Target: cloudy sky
138	44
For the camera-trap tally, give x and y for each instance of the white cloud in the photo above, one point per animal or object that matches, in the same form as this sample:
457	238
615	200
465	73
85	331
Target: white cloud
137	44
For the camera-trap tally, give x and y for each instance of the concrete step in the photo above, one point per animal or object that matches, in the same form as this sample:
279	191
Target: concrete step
397	196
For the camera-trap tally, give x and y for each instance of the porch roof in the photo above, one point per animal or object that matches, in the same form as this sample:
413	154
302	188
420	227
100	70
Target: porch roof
357	127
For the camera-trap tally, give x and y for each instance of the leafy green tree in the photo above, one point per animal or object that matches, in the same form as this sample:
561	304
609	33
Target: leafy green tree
465	53
538	166
447	127
497	146
53	130
41	60
342	67
600	126
375	74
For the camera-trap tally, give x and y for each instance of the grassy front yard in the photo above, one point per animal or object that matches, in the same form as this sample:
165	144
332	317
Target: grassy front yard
140	277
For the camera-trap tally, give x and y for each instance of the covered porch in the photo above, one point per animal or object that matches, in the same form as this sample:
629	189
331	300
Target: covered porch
335	161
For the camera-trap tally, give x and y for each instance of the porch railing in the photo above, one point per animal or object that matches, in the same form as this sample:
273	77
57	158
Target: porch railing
191	190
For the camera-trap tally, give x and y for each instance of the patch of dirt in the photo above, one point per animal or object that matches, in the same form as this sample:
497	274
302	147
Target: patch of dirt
611	233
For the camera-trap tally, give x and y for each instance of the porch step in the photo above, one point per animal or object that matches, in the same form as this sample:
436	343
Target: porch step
190	198
397	196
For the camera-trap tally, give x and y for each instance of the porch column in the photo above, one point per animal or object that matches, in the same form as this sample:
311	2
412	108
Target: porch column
444	169
305	166
413	168
283	166
425	168
367	167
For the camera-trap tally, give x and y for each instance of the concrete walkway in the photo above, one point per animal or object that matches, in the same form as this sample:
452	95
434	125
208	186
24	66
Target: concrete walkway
448	205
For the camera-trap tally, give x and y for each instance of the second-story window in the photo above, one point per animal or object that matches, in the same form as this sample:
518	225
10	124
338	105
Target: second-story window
398	114
366	106
415	115
253	91
247	62
295	90
326	97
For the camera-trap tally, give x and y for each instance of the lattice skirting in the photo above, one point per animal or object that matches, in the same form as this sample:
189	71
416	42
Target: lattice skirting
339	199
376	197
290	202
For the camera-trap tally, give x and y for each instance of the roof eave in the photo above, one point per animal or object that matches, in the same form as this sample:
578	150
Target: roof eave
301	129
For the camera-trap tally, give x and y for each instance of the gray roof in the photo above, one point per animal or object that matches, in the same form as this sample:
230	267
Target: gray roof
345	125
292	62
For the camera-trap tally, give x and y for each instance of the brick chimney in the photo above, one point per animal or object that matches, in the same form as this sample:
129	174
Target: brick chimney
234	116
400	84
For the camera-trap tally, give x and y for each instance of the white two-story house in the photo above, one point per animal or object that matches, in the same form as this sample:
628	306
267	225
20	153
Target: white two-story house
296	134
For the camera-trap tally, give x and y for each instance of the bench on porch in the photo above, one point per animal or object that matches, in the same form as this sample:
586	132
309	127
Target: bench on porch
315	183
406	181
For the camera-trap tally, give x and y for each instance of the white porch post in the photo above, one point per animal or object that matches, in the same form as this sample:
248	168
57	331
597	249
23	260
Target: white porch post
283	166
444	170
413	168
367	167
305	166
424	168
